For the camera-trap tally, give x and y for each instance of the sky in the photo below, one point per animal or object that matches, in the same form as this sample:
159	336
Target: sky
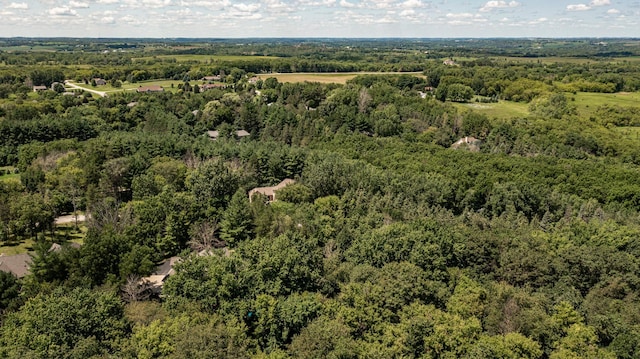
319	18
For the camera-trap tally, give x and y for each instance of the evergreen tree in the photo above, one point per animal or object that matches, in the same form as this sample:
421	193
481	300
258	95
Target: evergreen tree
237	223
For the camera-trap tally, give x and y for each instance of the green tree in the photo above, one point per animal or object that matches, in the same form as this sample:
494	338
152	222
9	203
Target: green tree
554	106
9	291
580	342
509	346
237	221
324	338
65	324
459	93
32	213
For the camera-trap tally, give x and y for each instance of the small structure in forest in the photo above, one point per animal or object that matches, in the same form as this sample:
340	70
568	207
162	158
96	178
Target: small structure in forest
163	271
468	142
270	192
18	265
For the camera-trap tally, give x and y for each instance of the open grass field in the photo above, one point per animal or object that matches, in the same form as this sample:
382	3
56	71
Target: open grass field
336	78
127	86
500	110
588	102
204	58
164	83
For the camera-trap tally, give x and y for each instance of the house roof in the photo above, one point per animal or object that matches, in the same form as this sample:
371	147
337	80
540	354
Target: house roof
271	191
469	142
18	264
215	134
166	267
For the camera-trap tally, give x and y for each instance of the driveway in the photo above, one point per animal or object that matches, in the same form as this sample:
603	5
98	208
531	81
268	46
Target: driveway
74	86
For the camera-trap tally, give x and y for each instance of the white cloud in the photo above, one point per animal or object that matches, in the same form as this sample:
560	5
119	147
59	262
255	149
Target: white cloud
247	7
107	1
108	20
465	18
411	4
345	3
131	20
153	4
317	2
62	11
490	5
380	4
538	21
407	13
277	5
585	7
18	6
78	4
458	16
578	7
613	11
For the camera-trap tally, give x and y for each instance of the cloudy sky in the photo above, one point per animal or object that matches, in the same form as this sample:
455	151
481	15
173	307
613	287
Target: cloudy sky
320	18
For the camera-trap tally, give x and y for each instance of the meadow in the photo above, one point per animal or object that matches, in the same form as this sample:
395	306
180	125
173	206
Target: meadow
588	102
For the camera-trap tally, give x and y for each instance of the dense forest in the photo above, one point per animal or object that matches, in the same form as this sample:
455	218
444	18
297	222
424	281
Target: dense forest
416	225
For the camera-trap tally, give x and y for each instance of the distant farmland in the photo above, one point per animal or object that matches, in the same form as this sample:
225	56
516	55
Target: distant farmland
339	78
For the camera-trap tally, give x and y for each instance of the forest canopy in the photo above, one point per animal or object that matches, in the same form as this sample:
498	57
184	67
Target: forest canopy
427	199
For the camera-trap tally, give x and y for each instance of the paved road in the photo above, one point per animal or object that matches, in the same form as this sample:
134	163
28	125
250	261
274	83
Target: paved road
74	86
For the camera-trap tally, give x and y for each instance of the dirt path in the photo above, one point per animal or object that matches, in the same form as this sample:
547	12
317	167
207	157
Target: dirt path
70	218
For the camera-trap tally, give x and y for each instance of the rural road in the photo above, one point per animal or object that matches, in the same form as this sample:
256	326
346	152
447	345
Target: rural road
74	86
